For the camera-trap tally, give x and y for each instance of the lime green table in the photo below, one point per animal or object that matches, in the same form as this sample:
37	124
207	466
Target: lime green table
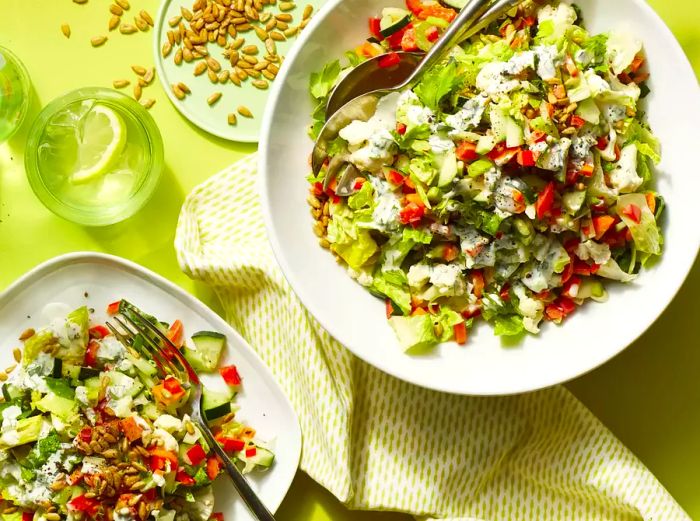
649	396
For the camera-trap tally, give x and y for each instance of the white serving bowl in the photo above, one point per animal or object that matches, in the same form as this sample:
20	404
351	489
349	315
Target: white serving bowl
595	334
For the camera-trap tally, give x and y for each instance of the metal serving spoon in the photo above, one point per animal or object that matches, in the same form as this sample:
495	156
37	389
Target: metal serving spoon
362	106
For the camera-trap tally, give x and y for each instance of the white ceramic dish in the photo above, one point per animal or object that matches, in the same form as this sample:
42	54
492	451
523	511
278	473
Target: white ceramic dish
484	367
95	280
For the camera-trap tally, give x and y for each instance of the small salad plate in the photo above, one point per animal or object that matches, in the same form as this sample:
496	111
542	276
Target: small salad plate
94	280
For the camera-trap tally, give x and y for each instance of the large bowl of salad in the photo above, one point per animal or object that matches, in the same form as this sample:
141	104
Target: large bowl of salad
517	218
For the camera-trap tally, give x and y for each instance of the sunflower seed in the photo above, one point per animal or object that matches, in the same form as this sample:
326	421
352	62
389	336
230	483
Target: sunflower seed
3	377
271	46
261	65
167	49
269	75
261	84
292	31
98	40
150	74
250	49
124	4
223	76
65	29
120	84
178	92
186	13
178	57
114	22
308	11
245	111
287	6
147	17
80	1
200	68
284	17
212	76
17	354
213	64
174	21
235	79
128	29
141	24
138	69
232	119
214	98
237	44
282	26
269	26
116	10
253	73
187	55
276	35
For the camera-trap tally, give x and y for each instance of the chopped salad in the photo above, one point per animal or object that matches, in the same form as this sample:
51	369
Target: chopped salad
510	184
88	429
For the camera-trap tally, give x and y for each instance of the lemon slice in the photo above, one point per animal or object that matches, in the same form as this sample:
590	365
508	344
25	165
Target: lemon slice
100	145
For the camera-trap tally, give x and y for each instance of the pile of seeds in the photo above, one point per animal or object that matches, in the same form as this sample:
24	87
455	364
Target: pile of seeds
142	22
144	78
227	23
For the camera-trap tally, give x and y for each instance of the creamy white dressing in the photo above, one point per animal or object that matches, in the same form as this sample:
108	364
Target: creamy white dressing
468	117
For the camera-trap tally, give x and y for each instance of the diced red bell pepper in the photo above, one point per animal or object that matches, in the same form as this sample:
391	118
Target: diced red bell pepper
159	457
601	225
389	308
568	271
173	385
389	60
196	454
537	136
213	467
432	34
231	444
84	504
91	353
409	41
375	28
98	332
478	282
217	516
357	185
411	214
545	201
395	40
473	311
460	331
175	334
401	128
318	189
184	478
27	516
585	269
113	308
85	434
415	6
577	121
250	452
502	155
602	143
230	375
571	287
466	151
394	177
526	158
560	309
634	212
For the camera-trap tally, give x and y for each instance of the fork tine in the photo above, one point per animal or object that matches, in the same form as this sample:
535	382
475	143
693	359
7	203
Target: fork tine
126	341
171	351
153	350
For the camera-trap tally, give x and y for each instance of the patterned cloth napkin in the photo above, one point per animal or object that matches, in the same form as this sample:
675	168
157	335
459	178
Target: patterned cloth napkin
378	443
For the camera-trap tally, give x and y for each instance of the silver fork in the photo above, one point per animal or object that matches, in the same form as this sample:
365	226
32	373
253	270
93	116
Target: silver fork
165	355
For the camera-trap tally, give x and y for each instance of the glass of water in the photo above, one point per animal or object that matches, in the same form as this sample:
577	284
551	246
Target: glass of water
14	94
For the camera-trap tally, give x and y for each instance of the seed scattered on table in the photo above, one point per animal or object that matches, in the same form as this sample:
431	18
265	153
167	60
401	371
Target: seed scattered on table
200	68
213	98
212	76
138	69
120	84
178	57
261	84
80	1
287	6
116	10
17	354
245	111
124	4
141	24
172	22
150	74
184	88
167	49
147	17
232	119
128	29
147	102
114	22
308	11
179	94
98	40
65	29
137	91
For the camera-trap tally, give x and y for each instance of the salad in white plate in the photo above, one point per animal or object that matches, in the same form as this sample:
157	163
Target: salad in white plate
510	185
88	429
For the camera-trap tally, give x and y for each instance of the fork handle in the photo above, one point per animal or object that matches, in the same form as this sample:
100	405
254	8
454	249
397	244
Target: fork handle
251	499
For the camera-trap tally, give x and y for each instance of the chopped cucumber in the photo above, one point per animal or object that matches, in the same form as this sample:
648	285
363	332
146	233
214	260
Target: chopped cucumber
133	386
87	373
262	458
390	25
216	403
57	371
62	407
217	412
208	347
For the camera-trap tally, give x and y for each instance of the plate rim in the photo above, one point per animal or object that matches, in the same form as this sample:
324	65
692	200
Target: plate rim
306	298
189	115
148	276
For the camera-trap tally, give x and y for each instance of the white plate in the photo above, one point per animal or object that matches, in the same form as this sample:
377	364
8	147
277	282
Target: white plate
106	279
593	335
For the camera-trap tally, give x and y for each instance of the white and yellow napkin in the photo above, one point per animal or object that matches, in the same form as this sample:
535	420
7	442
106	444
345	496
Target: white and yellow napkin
378	443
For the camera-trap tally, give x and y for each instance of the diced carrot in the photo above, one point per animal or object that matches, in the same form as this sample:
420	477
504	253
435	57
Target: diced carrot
130	428
602	224
175	334
478	283
651	201
460	331
213	467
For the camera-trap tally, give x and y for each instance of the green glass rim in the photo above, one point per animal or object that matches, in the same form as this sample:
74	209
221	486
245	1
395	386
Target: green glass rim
26	87
148	180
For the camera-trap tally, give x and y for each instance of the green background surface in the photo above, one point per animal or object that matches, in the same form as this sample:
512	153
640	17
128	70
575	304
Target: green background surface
649	396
